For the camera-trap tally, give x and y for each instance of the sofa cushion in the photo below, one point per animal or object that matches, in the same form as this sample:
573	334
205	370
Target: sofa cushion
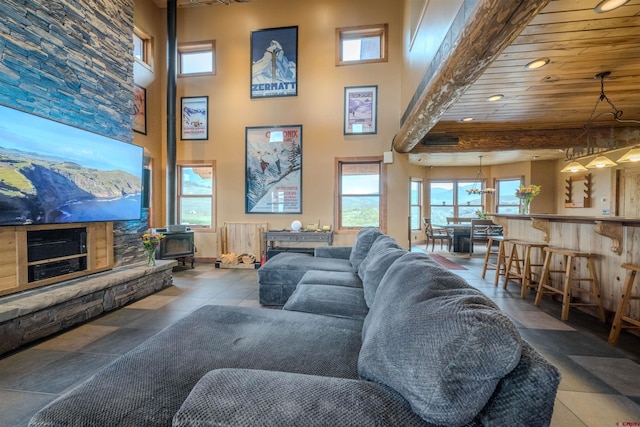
146	386
384	251
279	276
440	343
328	300
339	252
250	397
337	278
364	239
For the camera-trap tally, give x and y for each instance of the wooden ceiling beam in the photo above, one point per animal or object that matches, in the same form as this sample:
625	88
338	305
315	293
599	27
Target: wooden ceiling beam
493	25
484	141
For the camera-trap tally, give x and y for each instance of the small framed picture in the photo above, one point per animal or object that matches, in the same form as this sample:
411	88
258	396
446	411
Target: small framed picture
274	62
194	123
139	109
360	110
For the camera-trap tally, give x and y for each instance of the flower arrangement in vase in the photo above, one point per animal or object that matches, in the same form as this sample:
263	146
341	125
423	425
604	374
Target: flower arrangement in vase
526	194
150	242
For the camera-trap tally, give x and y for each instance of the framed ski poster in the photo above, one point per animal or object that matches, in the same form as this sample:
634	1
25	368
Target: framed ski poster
360	110
274	62
273	170
194	123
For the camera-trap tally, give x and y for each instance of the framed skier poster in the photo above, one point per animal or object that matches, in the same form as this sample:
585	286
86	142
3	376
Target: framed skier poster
274	62
273	170
194	123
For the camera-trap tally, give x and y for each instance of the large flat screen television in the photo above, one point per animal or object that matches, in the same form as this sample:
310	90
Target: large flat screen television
55	173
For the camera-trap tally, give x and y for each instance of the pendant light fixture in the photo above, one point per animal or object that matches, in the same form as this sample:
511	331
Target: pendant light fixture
632	155
480	178
600	161
574	167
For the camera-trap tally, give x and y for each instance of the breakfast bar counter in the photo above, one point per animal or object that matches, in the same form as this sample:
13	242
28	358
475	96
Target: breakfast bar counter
614	240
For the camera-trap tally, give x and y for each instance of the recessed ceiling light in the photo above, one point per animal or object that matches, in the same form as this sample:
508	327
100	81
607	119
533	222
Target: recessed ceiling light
495	98
609	5
538	63
467	119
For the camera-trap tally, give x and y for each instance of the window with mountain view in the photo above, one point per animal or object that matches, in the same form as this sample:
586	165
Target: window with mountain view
195	195
451	199
507	202
360	194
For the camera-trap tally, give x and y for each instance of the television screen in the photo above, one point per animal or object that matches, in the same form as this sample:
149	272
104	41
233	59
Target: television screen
55	173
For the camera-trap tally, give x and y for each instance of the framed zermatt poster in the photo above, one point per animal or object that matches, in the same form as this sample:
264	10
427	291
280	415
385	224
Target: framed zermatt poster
274	62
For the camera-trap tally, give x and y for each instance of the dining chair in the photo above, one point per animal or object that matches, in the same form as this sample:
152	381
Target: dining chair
481	229
436	234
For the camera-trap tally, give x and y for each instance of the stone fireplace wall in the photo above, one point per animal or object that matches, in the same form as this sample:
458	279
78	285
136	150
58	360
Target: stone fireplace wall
72	61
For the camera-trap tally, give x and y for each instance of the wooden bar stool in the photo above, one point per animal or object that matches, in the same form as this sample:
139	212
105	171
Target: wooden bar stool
500	262
521	267
569	257
622	306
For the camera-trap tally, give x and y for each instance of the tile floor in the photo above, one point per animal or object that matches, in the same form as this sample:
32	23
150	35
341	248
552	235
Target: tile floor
600	384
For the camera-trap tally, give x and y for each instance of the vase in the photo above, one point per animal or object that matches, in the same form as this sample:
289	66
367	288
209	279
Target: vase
151	257
525	206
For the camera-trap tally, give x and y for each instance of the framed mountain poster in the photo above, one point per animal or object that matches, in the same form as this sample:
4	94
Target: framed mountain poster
274	62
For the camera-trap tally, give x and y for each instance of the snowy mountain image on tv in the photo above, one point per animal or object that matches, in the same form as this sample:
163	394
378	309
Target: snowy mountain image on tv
54	173
274	62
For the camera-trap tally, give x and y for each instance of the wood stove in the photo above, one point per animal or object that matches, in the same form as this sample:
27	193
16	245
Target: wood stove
176	245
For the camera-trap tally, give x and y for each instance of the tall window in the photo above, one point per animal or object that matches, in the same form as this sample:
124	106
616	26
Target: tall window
506	199
357	45
196	59
415	196
450	199
196	194
361	197
142	47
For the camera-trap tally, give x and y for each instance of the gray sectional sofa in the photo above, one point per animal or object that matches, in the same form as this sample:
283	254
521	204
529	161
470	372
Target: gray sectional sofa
400	341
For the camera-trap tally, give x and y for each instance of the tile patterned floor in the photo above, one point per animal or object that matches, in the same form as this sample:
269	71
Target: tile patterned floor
600	384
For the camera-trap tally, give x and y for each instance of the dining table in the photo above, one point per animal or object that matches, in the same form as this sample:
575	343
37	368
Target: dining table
459	232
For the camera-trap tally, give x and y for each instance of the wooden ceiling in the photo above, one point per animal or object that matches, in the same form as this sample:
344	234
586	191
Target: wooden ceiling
545	110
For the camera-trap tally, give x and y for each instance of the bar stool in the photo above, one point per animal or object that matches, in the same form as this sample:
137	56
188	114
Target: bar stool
569	257
500	263
622	306
520	268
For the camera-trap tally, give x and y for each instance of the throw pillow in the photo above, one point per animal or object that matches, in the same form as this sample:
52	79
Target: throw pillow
364	239
384	251
440	343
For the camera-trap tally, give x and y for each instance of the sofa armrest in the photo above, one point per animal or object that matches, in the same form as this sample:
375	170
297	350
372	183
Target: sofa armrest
232	397
342	252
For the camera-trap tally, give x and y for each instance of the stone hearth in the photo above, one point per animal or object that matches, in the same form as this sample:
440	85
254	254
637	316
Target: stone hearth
38	313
